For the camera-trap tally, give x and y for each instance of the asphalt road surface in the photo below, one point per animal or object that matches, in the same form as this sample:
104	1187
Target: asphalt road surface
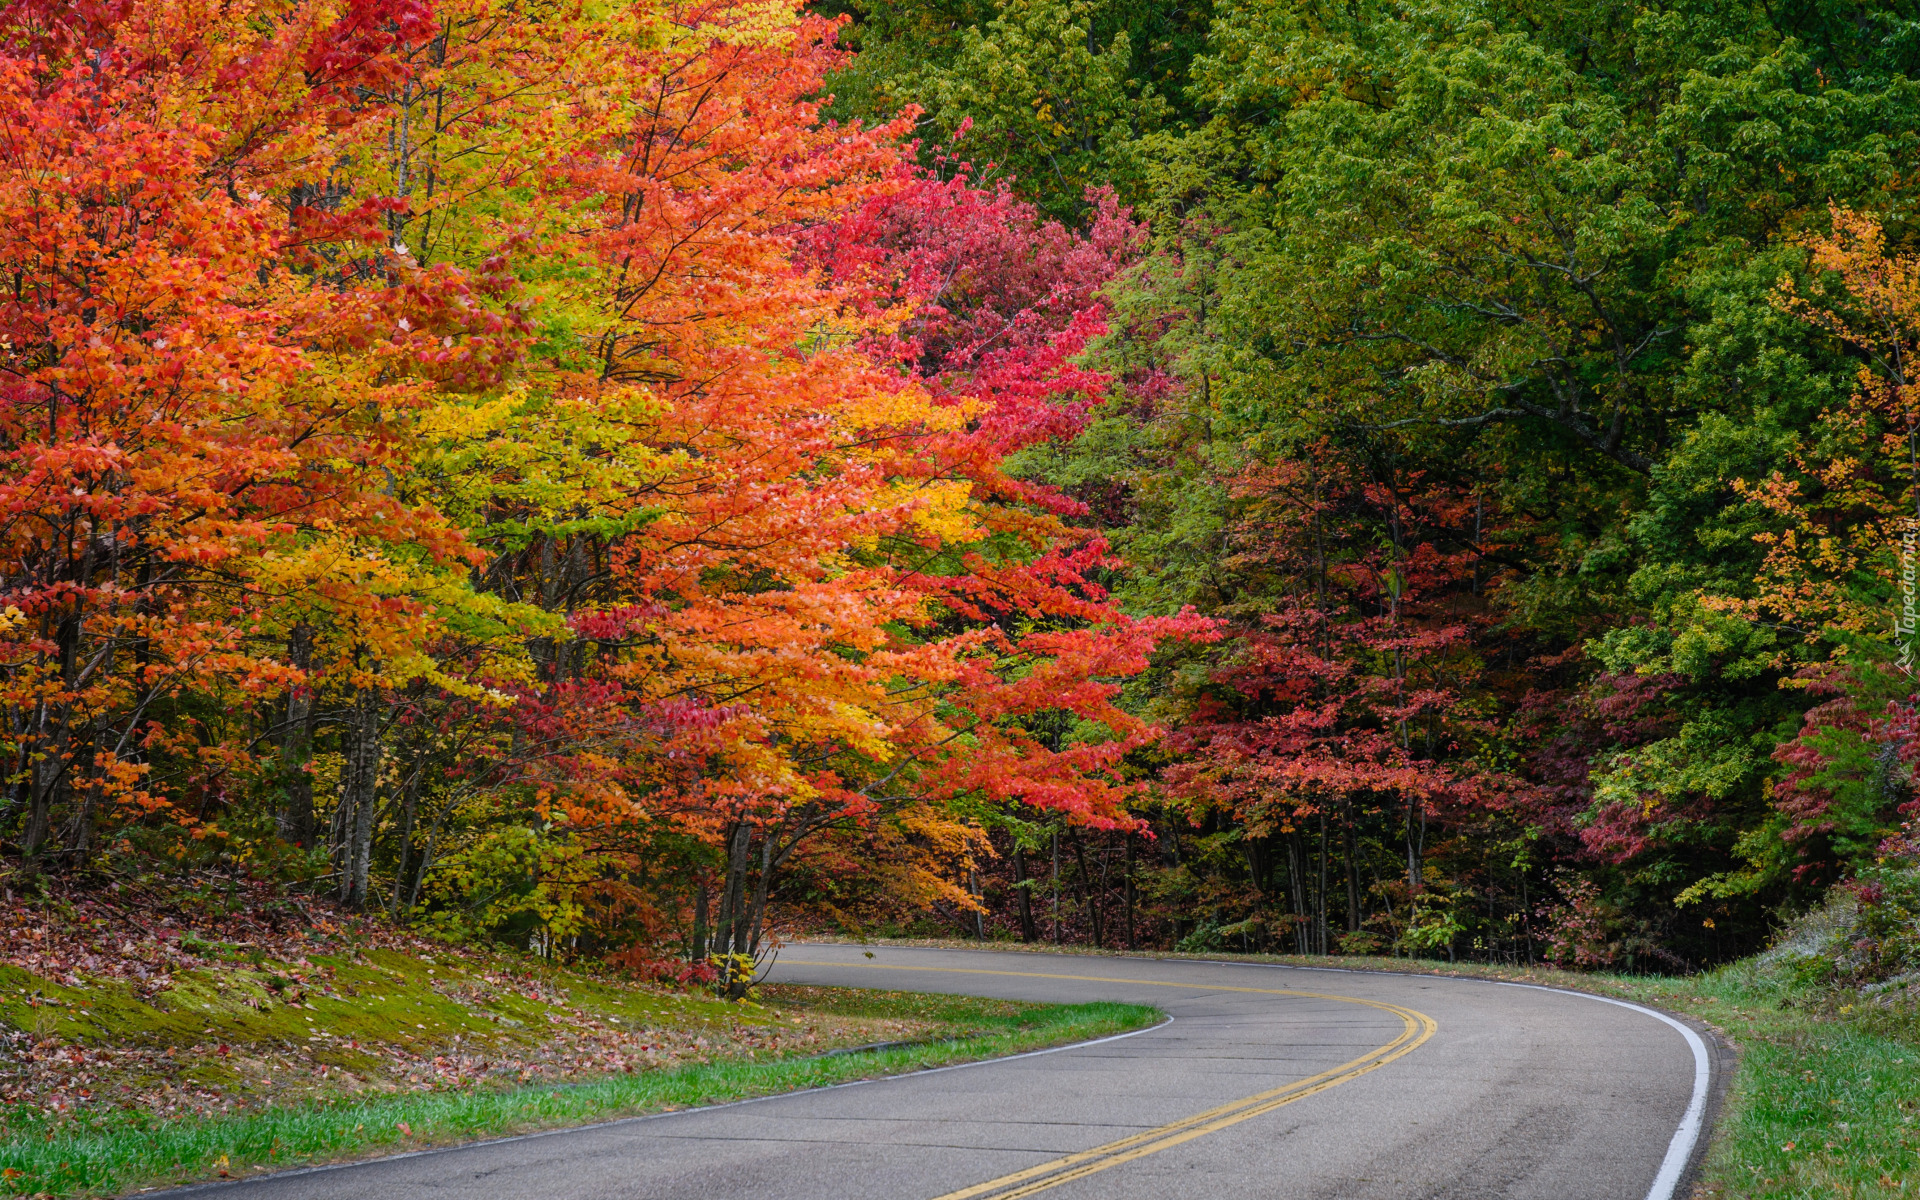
1269	1082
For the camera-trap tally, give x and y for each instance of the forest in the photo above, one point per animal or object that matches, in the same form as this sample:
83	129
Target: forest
643	480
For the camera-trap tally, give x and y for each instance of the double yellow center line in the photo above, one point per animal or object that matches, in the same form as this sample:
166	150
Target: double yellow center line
1417	1028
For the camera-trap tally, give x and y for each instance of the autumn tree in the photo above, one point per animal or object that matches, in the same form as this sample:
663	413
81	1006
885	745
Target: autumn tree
200	412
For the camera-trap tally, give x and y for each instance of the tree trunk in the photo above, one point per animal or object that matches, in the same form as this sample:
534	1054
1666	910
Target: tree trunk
295	818
761	889
1296	885
409	813
1056	887
44	778
1087	896
979	909
426	852
359	782
1413	859
697	953
53	741
1260	869
1320	912
1526	918
77	839
1023	892
1353	874
733	897
1127	892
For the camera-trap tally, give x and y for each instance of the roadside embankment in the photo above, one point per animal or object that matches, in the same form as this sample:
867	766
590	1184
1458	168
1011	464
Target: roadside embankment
150	1044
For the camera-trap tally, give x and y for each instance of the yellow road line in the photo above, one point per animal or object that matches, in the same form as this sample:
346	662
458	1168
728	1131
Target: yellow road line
1417	1028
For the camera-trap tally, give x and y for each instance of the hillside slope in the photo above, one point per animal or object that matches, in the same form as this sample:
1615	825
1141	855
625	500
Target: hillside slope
150	1036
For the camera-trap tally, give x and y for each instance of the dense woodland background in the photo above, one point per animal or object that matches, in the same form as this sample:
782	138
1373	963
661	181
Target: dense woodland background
636	479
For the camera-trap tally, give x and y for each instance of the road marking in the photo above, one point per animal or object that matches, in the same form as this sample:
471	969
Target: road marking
1680	1149
1417	1028
1692	1123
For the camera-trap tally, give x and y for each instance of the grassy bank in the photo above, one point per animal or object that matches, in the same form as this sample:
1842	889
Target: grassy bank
153	1035
122	1151
1827	1095
1825	1101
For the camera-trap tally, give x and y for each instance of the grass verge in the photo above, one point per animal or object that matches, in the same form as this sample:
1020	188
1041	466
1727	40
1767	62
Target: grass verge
1825	1101
66	1159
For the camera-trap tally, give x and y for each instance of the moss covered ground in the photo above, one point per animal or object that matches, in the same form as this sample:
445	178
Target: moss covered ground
128	1151
259	1068
380	1019
142	1046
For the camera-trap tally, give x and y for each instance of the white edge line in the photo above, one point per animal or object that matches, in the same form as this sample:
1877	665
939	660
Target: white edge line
215	1185
1680	1149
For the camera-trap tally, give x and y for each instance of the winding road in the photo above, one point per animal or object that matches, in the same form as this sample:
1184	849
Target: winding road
1268	1081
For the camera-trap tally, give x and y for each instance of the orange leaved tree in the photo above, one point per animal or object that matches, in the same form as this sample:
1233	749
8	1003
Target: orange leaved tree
441	461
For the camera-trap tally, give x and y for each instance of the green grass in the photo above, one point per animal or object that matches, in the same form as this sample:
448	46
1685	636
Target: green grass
1826	1101
70	1159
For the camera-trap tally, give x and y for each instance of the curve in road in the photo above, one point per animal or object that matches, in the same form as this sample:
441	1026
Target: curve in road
1394	1088
1032	1180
